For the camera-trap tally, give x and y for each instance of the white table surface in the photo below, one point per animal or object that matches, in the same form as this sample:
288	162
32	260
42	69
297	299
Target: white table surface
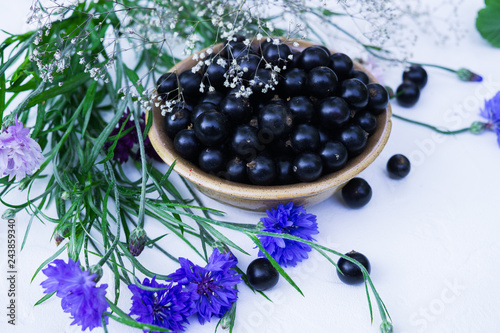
432	238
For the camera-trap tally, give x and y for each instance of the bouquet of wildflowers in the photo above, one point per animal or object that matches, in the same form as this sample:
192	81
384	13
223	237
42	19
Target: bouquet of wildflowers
83	80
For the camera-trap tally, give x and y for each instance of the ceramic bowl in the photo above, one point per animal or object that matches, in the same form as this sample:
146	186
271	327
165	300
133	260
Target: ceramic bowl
260	198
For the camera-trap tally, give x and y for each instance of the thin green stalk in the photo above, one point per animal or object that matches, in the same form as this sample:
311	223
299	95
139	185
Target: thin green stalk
142	204
434	128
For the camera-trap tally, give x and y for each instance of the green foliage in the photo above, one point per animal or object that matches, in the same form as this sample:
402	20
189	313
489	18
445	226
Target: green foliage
488	22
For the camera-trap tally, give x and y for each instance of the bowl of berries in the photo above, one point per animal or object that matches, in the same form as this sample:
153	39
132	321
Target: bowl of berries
255	123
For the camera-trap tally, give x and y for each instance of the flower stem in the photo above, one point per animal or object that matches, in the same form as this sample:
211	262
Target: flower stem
434	128
142	203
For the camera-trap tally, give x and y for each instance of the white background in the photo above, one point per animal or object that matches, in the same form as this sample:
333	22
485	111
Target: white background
432	238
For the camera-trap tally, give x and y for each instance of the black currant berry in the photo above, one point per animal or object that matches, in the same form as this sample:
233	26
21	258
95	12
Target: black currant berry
351	273
361	76
214	75
167	85
236	171
236	50
245	142
342	65
214	97
415	74
398	166
305	138
366	120
301	108
293	83
211	160
321	82
407	94
211	128
189	84
276	120
202	108
284	171
265	84
334	156
237	109
262	275
313	56
261	170
354	138
187	145
356	193
249	66
333	112
354	92
307	167
276	54
176	121
378	98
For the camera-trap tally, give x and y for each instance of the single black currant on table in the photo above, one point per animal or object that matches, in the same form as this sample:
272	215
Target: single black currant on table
189	85
342	65
407	94
305	138
378	98
398	166
321	82
313	56
301	108
237	109
236	171
262	275
366	120
333	112
334	156
350	273
276	54
211	160
211	128
415	74
245	141
187	145
202	108
307	167
357	193
354	92
176	121
167	85
261	170
354	138
293	83
361	76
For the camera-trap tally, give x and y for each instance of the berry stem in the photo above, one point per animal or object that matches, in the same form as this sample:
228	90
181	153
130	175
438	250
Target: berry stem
434	128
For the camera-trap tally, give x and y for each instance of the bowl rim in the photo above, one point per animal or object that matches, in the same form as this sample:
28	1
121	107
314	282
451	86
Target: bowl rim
214	183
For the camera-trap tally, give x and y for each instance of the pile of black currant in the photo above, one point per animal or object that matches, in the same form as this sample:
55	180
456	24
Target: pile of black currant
272	115
414	80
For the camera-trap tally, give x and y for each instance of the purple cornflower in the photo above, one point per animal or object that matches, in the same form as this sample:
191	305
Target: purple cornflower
213	287
20	155
168	308
292	220
491	112
80	297
128	145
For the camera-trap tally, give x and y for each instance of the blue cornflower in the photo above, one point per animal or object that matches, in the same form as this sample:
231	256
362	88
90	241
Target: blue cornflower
80	297
167	308
292	220
212	288
491	112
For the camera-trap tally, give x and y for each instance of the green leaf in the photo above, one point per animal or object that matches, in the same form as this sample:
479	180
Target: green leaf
44	298
52	257
488	22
